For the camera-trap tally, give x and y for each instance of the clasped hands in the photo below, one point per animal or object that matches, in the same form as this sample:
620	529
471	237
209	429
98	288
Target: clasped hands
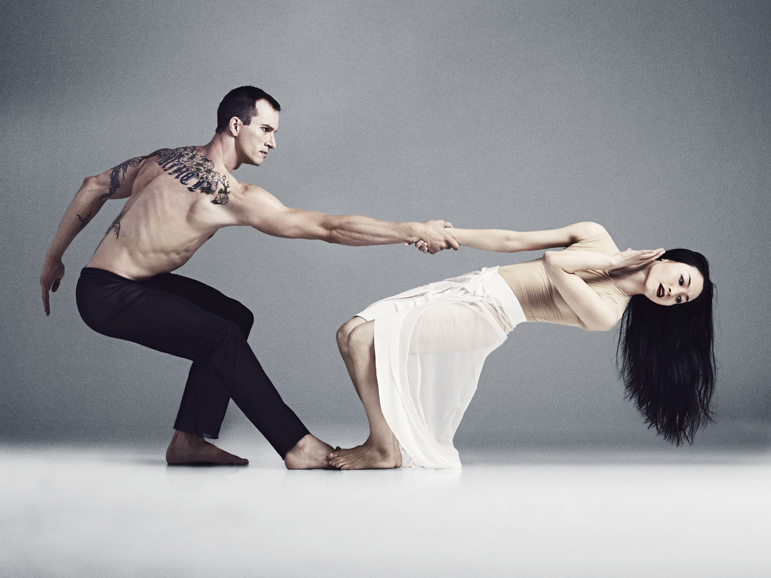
438	236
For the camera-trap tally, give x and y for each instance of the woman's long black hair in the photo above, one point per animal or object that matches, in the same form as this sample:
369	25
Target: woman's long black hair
666	357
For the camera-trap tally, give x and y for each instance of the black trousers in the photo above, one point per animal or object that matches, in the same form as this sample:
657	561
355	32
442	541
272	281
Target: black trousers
186	318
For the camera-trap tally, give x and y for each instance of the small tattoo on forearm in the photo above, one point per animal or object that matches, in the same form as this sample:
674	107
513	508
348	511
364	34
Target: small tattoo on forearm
187	164
84	221
116	224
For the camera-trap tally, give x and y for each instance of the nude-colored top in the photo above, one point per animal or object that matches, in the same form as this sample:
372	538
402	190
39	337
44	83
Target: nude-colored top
540	299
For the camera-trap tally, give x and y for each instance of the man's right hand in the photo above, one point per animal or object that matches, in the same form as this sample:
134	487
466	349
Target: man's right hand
53	271
437	237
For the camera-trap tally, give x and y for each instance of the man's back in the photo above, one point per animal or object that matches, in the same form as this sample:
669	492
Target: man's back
177	200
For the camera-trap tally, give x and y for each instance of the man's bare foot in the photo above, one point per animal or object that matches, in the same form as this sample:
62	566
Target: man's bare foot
187	448
368	456
310	453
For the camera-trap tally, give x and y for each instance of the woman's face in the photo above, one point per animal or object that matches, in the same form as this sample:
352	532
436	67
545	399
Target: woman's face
673	283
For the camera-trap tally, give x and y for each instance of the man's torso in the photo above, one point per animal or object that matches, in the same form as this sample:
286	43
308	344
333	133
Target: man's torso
179	199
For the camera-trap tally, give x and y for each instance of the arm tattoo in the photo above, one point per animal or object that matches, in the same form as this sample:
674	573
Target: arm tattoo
116	224
186	164
117	174
84	221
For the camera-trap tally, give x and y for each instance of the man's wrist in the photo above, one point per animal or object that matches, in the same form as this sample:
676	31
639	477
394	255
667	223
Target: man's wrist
53	256
416	232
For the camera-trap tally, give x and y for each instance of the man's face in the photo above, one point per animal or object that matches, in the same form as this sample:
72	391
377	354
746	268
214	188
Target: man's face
255	139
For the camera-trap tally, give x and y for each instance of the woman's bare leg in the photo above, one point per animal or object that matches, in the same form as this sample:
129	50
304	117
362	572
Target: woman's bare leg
343	335
381	450
342	344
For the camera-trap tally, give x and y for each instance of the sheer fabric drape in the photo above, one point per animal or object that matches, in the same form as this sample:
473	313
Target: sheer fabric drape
430	346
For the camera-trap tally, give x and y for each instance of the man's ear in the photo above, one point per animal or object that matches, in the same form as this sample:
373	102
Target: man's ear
234	126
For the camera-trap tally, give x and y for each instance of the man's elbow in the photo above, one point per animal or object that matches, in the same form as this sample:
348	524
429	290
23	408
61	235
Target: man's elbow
337	237
314	233
91	184
92	189
333	229
301	225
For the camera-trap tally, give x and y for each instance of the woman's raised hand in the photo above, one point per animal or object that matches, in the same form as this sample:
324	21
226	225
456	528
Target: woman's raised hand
632	258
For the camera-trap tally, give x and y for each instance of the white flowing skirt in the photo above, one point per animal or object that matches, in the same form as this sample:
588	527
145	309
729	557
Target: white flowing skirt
430	346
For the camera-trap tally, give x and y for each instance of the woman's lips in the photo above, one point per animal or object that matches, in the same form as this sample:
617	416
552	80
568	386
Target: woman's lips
660	292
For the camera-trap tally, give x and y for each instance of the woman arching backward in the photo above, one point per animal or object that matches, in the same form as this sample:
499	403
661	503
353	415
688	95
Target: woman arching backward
415	358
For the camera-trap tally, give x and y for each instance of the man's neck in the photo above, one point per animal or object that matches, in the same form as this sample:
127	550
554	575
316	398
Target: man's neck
221	149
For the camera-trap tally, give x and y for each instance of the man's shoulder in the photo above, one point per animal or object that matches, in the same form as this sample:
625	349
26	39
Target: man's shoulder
254	189
253	192
156	154
255	201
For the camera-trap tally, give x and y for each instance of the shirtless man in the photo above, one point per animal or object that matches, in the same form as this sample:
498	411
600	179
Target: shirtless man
177	200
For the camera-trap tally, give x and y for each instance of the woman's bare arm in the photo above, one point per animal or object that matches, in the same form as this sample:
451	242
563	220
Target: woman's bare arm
503	241
595	313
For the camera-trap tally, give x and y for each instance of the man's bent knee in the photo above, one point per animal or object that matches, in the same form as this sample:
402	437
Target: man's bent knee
242	317
247	321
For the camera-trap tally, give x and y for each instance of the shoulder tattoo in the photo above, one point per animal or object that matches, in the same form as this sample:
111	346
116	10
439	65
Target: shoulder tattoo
189	166
118	174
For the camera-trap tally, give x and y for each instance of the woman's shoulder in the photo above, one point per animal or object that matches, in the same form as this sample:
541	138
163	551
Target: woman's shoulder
593	237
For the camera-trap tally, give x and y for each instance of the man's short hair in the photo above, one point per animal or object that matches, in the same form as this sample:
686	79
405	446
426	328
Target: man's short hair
242	103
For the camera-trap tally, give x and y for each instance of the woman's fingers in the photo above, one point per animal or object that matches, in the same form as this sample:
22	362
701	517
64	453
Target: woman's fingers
636	258
650	254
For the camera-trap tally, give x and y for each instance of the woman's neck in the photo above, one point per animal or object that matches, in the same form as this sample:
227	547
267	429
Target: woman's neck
631	280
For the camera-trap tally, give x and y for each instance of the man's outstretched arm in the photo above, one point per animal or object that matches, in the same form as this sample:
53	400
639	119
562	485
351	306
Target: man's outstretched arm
266	213
93	193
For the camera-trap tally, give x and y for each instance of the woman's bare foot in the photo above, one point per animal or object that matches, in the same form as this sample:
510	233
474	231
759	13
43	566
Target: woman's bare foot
398	452
186	448
368	456
310	453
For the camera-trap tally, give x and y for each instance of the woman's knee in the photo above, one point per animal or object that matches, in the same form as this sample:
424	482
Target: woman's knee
345	331
342	338
361	338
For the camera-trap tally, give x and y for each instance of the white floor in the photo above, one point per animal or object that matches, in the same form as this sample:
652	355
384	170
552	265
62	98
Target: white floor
105	512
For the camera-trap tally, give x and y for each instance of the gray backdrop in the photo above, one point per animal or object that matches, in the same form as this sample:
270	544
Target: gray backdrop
651	118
